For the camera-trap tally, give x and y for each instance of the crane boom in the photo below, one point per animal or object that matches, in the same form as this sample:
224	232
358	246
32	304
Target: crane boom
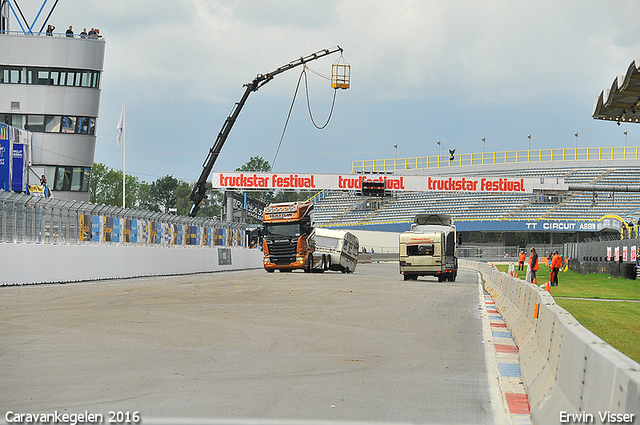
198	194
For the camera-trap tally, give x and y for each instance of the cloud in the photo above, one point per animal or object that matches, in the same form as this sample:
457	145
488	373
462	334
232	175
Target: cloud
422	70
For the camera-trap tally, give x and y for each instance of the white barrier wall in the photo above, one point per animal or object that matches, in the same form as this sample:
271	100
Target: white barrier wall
42	263
564	366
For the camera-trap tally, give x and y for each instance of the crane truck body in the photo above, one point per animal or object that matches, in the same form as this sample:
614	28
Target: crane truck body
428	249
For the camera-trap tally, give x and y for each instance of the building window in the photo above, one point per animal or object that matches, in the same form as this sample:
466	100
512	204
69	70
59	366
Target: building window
76	178
70	78
86	174
49	76
18	120
69	124
55	77
43	77
83	125
14	76
35	123
66	178
52	123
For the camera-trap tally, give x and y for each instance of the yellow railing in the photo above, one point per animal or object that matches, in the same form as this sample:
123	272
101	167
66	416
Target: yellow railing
491	158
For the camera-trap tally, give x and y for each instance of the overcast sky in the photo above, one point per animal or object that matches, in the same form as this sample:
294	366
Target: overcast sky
421	71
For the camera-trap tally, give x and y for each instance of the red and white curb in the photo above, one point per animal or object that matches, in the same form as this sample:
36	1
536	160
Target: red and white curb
508	395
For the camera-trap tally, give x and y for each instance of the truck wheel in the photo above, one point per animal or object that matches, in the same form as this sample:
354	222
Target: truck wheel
270	271
440	278
308	268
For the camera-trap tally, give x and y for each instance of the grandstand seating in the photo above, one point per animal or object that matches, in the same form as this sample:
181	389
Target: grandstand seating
349	208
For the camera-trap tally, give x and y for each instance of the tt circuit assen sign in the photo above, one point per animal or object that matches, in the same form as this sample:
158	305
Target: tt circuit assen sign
252	181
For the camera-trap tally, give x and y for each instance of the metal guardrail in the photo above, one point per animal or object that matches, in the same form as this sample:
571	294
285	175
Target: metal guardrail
492	158
36	219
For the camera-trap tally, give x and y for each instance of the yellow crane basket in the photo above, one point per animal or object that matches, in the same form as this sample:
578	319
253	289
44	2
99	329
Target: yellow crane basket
340	74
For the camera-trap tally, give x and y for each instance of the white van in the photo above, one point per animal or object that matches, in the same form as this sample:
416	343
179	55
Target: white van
338	248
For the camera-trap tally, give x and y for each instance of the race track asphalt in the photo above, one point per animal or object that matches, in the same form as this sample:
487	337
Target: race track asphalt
366	346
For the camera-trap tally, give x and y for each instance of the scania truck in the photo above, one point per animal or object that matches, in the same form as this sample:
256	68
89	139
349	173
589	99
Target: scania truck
429	248
285	238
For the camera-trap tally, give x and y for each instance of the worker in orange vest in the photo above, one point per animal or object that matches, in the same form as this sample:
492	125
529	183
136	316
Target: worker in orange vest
521	259
556	264
533	263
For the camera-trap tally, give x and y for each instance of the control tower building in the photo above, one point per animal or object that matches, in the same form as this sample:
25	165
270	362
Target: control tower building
50	85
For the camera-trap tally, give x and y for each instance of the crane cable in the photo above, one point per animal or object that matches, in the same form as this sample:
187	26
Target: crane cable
286	123
295	94
333	103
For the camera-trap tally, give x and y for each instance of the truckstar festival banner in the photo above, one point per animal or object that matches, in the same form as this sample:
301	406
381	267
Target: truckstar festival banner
244	181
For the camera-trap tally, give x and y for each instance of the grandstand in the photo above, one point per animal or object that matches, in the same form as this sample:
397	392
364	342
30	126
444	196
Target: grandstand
589	166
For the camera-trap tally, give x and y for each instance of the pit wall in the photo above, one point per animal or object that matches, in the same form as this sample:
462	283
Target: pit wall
564	366
44	263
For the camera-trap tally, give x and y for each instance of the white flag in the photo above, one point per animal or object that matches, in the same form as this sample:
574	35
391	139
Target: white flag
120	127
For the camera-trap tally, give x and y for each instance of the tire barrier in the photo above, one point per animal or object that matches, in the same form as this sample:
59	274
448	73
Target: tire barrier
570	374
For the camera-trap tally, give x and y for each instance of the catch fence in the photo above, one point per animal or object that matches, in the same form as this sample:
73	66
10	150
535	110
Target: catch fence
36	219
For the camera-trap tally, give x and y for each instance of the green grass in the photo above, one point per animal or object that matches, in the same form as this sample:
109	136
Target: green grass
618	323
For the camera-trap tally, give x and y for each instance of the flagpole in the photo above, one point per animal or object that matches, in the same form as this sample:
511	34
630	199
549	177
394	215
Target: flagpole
124	150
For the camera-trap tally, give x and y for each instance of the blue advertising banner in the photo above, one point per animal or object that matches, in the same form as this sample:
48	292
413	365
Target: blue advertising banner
117	230
18	167
96	228
133	225
567	226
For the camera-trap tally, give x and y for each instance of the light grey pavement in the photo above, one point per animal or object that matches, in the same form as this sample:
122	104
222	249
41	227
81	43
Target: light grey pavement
365	346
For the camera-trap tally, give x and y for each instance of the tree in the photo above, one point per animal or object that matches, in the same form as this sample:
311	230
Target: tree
256	164
259	165
100	184
106	187
145	198
211	205
163	192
